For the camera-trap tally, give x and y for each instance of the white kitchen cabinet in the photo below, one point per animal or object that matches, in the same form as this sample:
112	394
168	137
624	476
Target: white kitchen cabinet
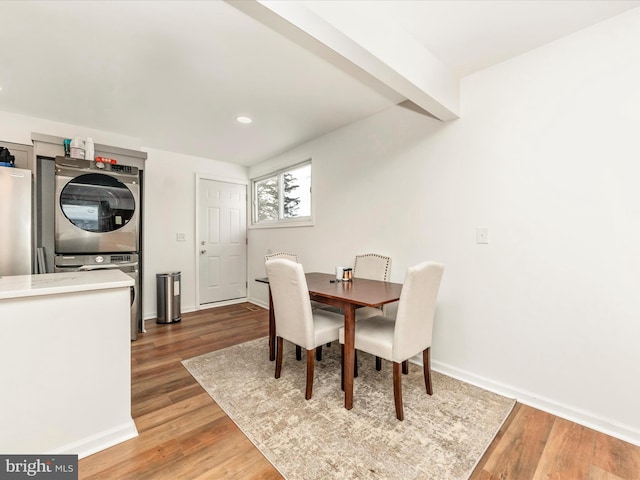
65	362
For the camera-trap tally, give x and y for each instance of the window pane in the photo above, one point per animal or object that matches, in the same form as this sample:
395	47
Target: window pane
284	197
267	199
296	192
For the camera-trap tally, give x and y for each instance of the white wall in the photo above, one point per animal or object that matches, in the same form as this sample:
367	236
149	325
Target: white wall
170	185
546	156
18	128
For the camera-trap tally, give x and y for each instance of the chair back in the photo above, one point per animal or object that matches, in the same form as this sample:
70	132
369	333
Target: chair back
289	256
291	302
372	266
416	310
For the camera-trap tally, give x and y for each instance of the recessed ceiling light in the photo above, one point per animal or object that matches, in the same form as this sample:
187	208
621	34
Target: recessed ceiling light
244	119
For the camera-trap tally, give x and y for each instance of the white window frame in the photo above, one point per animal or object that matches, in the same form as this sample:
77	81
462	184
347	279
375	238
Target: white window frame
280	221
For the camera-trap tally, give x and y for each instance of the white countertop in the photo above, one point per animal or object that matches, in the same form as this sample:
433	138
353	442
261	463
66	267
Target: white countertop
17	286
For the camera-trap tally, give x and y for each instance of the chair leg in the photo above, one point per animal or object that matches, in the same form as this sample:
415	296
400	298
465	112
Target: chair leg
342	366
298	353
378	363
310	370
397	390
426	361
405	367
278	356
319	353
355	364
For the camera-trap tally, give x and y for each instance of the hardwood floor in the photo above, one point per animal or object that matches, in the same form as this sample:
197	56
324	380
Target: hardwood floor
183	434
536	445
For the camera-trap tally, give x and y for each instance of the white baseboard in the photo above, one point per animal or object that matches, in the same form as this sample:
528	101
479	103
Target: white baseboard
101	441
154	315
259	303
581	417
222	304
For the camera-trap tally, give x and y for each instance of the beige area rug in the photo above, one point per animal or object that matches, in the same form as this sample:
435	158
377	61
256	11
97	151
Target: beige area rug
441	438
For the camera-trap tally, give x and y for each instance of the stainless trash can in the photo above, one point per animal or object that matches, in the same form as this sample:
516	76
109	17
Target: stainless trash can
168	297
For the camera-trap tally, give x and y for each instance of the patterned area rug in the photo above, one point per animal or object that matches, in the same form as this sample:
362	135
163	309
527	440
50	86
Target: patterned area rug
441	438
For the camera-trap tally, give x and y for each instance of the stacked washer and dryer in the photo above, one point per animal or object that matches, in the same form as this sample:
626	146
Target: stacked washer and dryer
97	221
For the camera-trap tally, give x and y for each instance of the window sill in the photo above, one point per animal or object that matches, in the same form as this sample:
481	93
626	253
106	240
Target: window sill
305	223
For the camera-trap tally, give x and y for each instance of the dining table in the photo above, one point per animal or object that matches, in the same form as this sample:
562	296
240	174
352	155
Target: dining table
347	296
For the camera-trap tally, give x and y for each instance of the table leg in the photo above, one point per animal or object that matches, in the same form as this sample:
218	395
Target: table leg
349	349
272	329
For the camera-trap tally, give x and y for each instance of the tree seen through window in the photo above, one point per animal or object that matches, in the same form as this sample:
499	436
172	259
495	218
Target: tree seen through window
286	195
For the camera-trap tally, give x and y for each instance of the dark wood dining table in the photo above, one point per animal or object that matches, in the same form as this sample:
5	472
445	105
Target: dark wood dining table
348	296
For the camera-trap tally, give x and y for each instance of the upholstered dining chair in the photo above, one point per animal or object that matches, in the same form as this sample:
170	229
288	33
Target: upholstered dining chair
410	333
289	256
372	266
296	322
294	258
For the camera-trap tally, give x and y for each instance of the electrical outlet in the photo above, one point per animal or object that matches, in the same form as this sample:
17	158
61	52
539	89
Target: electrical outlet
482	235
180	237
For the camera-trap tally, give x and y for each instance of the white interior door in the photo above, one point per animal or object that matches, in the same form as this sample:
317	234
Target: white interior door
222	246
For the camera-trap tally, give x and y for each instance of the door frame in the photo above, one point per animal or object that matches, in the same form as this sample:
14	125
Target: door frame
215	178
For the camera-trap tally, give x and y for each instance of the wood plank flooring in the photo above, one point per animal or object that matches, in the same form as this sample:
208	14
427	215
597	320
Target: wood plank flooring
183	434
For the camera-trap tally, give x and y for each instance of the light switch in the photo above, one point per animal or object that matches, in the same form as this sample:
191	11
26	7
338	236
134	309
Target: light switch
180	237
482	234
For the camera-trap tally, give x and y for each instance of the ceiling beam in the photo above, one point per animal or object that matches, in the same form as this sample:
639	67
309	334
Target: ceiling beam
345	31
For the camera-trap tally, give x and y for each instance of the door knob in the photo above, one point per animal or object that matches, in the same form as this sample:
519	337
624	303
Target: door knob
203	242
203	251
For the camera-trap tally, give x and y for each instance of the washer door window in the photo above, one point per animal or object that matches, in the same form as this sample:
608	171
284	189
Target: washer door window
97	203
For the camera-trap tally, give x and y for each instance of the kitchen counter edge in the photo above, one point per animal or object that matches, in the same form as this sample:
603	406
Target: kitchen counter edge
17	286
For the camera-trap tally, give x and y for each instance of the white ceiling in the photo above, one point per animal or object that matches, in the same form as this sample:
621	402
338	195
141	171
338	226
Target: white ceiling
176	74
